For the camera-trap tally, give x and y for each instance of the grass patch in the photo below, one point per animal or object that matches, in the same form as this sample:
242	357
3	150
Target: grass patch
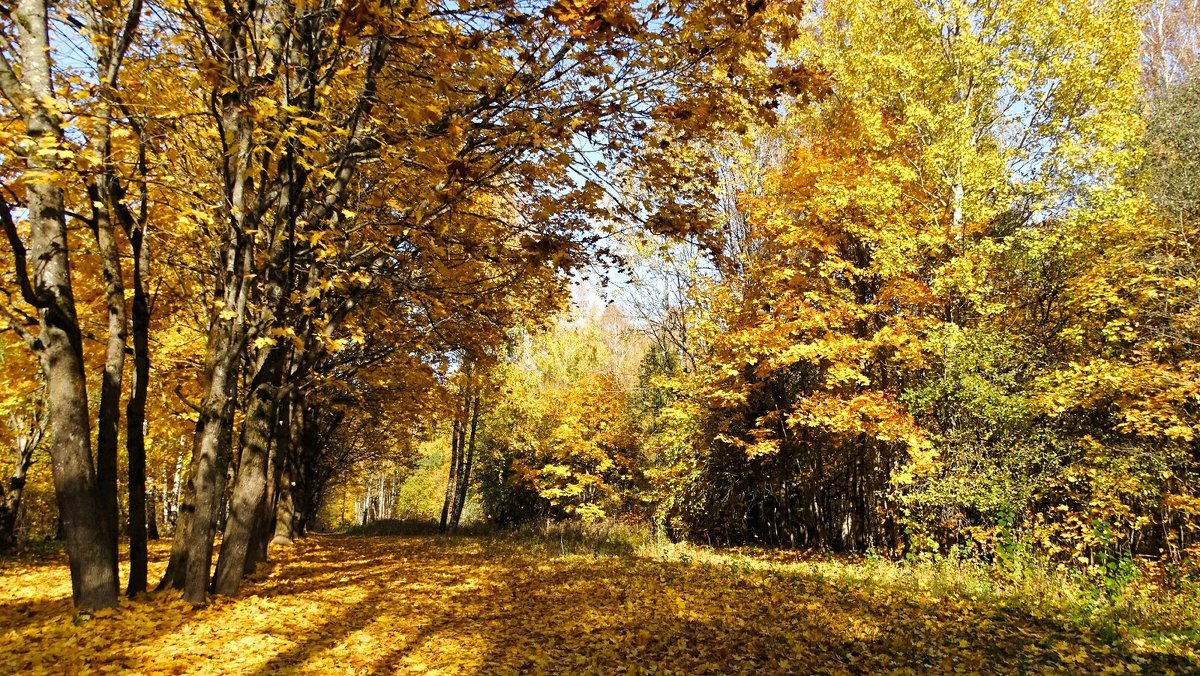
1145	608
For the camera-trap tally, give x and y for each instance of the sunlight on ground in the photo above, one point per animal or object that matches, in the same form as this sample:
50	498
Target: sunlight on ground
377	605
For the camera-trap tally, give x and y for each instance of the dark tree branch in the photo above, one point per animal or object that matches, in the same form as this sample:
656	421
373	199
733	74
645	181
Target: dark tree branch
179	393
16	325
20	263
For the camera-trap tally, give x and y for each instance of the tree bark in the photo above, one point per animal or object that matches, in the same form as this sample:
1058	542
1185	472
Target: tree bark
191	551
173	577
211	453
276	491
310	483
264	530
287	457
109	45
91	549
249	488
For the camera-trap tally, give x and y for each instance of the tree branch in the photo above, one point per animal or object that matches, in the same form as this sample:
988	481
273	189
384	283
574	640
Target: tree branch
15	324
11	87
184	399
19	257
124	41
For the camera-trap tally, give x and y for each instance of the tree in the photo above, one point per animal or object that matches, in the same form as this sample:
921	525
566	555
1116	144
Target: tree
935	145
558	438
1170	43
45	156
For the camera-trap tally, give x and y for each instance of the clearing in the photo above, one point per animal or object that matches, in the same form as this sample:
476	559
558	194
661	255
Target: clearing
487	605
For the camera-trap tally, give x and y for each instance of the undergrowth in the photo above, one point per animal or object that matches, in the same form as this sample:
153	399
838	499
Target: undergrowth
1124	600
1135	602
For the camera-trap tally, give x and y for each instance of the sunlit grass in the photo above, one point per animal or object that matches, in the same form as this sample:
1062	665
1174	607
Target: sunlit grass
603	599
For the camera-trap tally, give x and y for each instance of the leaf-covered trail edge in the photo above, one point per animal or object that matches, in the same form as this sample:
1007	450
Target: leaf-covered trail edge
375	605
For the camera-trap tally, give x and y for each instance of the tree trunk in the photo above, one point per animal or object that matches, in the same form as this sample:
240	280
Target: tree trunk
287	510
111	37
212	446
250	486
451	475
173	577
224	351
214	425
283	432
171	496
108	417
91	548
264	524
465	475
109	414
152	515
8	523
10	504
191	550
135	421
58	344
310	486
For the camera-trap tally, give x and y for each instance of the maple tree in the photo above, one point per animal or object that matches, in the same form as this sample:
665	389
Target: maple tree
868	245
58	174
288	158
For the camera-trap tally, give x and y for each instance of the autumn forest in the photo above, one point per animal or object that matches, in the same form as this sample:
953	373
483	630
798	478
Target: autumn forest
600	336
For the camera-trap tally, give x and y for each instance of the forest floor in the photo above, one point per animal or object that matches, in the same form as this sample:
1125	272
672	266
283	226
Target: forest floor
488	605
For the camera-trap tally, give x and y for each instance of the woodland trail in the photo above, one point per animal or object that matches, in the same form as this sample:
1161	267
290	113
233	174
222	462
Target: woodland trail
476	605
